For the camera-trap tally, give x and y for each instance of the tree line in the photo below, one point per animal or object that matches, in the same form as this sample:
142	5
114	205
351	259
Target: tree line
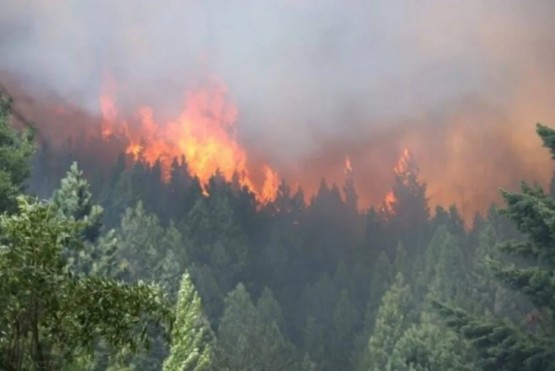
110	268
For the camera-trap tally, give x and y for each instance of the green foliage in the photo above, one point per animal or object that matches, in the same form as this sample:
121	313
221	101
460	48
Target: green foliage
249	337
307	364
428	347
331	268
319	301
345	320
217	239
382	278
74	200
499	343
48	314
445	273
389	327
409	213
142	249
217	245
403	263
15	152
147	250
209	290
513	346
192	337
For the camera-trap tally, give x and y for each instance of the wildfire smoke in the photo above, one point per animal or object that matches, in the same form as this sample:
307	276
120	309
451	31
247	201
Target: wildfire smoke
461	86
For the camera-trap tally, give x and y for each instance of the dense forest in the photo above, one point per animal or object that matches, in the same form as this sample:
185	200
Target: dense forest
112	268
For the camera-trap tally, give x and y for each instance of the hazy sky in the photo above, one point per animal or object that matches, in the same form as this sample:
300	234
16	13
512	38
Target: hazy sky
310	78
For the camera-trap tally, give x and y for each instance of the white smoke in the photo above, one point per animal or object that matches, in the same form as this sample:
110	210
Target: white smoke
304	73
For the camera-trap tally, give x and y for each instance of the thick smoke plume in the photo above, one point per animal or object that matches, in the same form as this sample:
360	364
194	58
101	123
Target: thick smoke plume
461	84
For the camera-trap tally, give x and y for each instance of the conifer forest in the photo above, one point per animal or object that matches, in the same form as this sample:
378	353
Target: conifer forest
332	234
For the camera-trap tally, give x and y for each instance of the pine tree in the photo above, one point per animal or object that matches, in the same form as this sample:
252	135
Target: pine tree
209	291
48	315
391	322
445	274
514	346
74	200
318	304
427	347
275	348
327	228
487	294
308	364
408	213
191	348
143	244
350	193
382	278
141	249
15	154
216	237
276	260
403	263
236	342
345	320
450	218
249	337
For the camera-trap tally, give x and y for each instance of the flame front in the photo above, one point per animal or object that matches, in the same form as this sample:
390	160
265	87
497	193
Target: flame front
204	134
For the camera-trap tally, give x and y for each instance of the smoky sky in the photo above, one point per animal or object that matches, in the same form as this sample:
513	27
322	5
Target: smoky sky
310	78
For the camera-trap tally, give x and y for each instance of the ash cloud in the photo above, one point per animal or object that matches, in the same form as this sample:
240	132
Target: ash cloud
315	80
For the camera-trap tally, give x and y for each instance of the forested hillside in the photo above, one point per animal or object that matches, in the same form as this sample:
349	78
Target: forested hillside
112	268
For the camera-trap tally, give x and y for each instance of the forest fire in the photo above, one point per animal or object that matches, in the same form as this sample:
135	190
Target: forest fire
204	135
303	105
326	174
348	166
403	171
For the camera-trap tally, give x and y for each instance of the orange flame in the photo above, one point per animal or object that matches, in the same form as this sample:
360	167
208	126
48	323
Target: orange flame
389	201
401	169
204	134
271	185
348	166
402	166
108	106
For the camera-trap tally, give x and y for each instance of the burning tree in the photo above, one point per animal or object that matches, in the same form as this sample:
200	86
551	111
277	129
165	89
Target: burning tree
405	208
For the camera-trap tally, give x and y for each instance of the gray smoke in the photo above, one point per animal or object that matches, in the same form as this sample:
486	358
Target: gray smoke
309	77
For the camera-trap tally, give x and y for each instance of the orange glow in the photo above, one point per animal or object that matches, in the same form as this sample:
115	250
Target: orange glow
348	166
401	169
108	106
463	161
204	134
271	184
389	201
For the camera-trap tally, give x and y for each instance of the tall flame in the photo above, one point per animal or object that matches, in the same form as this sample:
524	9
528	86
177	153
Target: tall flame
204	134
403	165
108	106
401	168
389	201
271	185
348	166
